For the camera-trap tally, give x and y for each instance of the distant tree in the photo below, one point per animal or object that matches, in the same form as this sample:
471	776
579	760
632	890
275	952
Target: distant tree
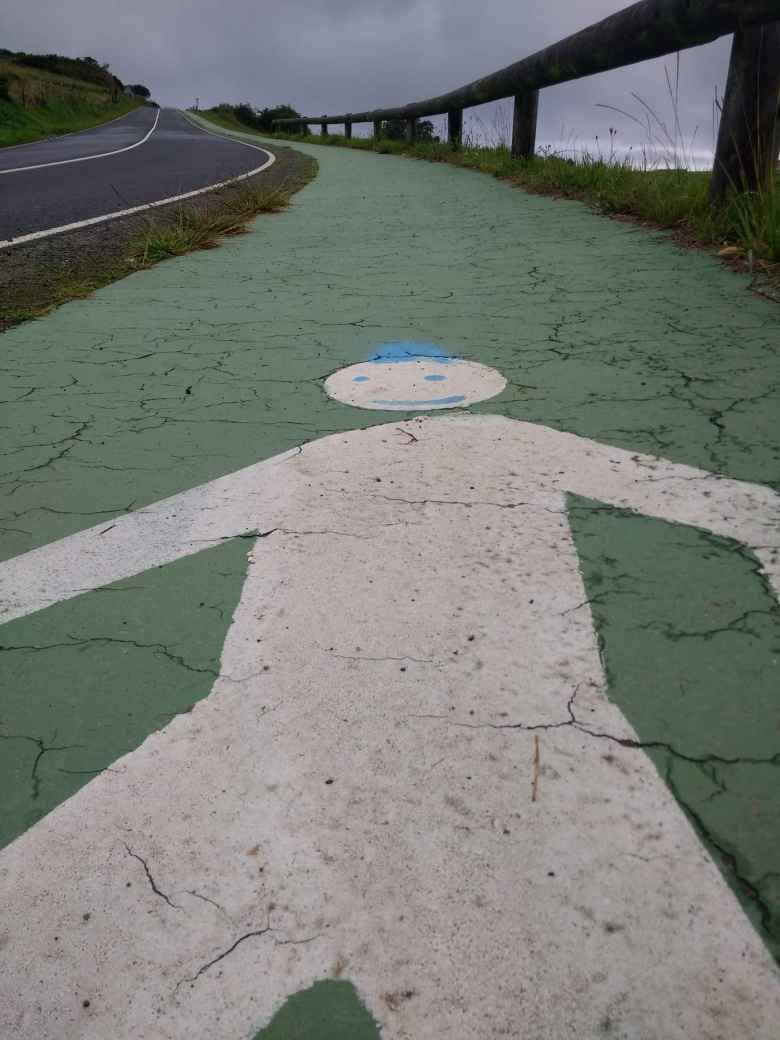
140	90
395	130
263	118
246	114
267	116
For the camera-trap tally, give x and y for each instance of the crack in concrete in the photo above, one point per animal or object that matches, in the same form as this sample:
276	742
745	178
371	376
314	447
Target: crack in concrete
335	534
456	502
205	899
707	763
241	939
150	878
628	742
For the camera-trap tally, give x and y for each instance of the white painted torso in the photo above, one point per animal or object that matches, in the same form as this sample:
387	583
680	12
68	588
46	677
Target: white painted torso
361	796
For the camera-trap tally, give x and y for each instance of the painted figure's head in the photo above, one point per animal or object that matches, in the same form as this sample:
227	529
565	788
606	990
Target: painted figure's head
410	377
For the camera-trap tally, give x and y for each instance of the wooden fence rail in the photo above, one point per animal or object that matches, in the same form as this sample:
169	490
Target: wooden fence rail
648	29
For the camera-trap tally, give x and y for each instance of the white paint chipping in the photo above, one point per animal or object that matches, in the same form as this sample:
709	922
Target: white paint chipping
75	225
357	797
87	158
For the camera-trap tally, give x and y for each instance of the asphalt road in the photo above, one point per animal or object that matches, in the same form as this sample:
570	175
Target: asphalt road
176	158
119	133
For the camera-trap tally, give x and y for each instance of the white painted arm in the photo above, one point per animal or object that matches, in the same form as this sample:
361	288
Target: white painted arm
747	513
169	530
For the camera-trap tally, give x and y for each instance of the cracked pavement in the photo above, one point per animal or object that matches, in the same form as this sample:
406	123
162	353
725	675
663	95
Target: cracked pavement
489	778
75	699
417	755
177	375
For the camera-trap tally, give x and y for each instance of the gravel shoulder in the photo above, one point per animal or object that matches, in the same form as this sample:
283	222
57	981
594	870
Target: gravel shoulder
40	275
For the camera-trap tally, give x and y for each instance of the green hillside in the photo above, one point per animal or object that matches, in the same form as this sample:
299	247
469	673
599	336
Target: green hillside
45	94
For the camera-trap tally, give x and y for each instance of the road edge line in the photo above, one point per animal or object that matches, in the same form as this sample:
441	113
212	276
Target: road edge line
70	133
33	236
85	158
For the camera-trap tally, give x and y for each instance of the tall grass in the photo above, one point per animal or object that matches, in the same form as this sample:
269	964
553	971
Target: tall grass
220	215
756	216
668	147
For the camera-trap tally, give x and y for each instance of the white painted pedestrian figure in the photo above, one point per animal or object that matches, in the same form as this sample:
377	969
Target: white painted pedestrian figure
349	796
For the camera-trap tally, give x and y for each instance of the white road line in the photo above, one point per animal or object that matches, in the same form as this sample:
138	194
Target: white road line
21	239
71	133
86	158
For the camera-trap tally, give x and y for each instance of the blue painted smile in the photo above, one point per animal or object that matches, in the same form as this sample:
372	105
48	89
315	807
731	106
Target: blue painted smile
455	399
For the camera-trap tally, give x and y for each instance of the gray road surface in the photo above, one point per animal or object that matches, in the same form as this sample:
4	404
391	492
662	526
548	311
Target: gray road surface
178	157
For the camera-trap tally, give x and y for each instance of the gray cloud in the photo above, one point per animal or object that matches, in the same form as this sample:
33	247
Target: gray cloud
336	55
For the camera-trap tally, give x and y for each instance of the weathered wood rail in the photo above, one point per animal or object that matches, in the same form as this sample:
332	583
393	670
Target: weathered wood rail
748	138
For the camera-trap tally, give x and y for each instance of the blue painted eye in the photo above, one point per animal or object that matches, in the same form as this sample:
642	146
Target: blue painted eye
435	379
360	379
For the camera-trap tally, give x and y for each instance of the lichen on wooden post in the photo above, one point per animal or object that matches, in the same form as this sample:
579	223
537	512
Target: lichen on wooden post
411	130
747	139
524	120
455	127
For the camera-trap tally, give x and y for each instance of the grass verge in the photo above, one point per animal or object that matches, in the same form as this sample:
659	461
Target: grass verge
37	102
24	125
196	228
50	272
745	232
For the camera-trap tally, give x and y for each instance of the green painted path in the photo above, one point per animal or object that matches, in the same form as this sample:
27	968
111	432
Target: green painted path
201	366
204	364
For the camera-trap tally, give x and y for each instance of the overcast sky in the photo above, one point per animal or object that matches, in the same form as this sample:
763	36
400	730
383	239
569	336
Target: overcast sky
337	55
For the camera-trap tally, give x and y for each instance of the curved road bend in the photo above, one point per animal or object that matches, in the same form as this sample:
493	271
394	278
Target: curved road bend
176	158
119	133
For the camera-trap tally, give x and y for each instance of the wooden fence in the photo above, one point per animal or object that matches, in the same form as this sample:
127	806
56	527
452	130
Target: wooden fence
748	141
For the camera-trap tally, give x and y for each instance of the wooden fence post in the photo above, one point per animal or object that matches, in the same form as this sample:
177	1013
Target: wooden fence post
455	127
348	130
524	124
411	130
377	129
324	128
747	140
